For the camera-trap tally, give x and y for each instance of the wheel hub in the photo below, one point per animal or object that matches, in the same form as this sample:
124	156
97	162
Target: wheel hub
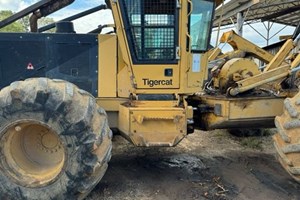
34	154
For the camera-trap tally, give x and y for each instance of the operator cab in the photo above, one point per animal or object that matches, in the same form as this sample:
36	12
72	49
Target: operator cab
165	39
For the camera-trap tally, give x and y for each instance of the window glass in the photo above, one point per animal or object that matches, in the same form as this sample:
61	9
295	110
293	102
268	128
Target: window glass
152	27
200	24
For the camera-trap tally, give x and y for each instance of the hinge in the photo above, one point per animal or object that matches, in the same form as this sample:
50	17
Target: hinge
178	53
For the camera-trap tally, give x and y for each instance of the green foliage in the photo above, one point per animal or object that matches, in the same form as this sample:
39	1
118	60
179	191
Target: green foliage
23	25
45	21
14	27
41	22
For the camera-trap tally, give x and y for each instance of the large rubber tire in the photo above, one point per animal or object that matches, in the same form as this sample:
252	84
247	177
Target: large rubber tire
55	141
287	139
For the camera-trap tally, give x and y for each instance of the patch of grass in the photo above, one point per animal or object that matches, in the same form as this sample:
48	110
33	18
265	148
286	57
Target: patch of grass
269	132
252	143
220	133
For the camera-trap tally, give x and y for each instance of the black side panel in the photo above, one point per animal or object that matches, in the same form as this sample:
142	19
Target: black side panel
71	57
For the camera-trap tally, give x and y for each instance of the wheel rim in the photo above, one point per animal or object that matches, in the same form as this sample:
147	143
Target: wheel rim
33	152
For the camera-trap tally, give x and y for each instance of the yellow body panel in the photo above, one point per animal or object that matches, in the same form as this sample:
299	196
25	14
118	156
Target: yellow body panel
196	78
111	104
107	76
249	112
154	77
152	126
125	83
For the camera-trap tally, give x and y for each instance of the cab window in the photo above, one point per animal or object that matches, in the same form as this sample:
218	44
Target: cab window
151	29
200	23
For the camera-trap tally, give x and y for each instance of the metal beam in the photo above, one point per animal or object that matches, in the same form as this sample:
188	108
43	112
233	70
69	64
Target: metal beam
232	11
281	13
261	9
240	23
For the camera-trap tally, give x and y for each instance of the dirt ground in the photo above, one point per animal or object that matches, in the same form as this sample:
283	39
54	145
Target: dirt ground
205	165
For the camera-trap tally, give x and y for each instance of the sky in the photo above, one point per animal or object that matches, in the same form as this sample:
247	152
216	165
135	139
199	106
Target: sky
253	36
82	25
92	21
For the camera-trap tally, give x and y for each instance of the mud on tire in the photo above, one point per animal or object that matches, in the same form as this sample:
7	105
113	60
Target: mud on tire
55	141
287	139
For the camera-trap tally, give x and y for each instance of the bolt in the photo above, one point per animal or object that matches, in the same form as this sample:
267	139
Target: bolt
18	128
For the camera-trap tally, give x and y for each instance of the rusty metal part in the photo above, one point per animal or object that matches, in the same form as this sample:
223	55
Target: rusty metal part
33	21
54	6
45	10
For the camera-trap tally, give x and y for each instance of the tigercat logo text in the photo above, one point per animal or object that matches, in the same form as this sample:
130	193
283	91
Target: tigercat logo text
153	83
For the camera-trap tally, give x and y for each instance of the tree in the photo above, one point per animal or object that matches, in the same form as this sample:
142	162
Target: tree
41	22
45	21
14	27
22	25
